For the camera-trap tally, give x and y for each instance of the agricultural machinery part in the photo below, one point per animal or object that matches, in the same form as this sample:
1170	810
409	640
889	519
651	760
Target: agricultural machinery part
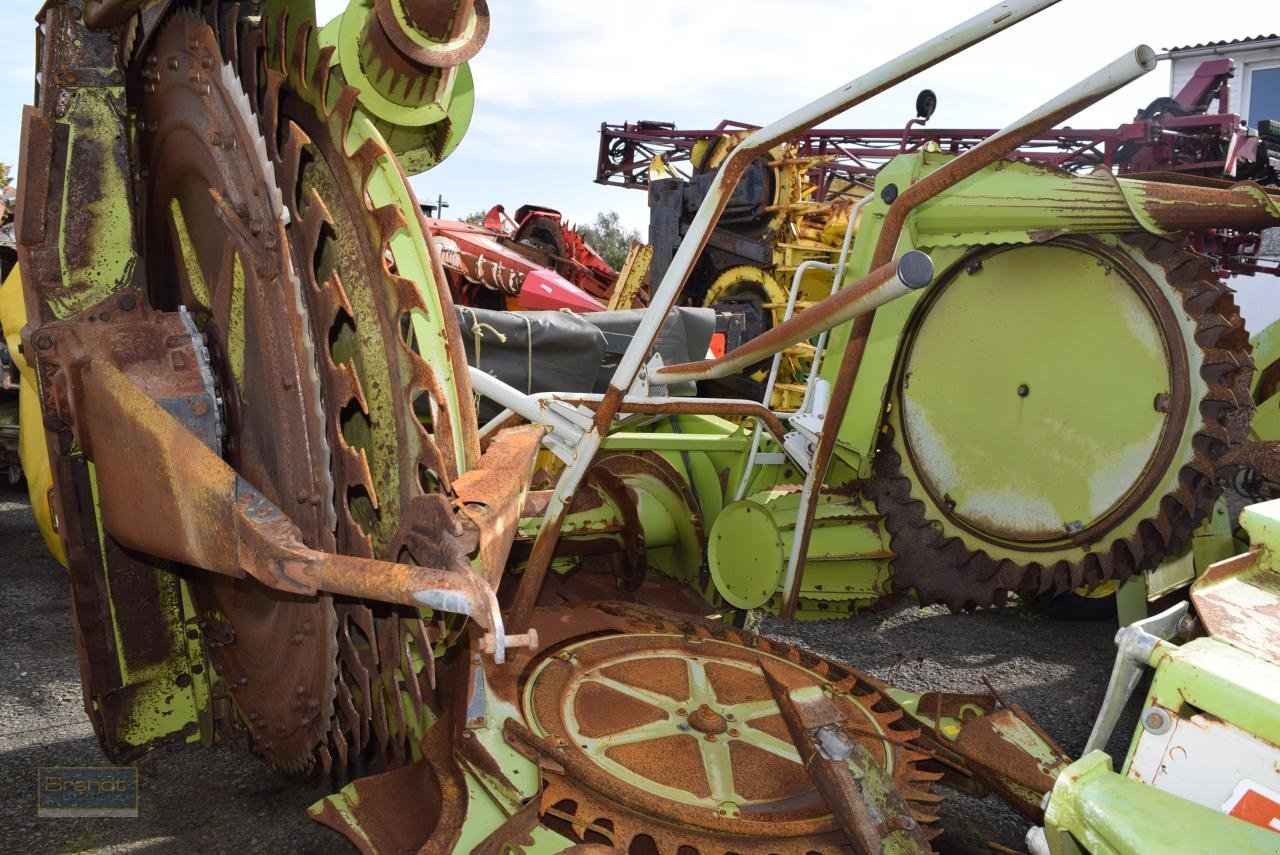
280	513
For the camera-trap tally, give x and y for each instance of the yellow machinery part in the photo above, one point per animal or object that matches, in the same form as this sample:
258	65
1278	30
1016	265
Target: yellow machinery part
32	449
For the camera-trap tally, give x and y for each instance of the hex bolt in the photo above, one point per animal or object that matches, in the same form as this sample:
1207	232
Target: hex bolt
44	341
128	303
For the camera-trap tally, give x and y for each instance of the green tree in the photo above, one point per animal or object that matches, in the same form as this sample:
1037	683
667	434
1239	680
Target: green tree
609	237
476	219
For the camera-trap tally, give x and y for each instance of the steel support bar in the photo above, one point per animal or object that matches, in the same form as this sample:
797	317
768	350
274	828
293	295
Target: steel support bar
1117	74
999	17
911	272
976	29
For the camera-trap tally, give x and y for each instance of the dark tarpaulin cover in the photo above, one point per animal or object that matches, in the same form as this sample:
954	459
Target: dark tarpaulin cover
571	352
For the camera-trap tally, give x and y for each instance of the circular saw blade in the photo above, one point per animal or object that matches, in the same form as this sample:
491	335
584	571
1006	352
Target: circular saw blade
216	245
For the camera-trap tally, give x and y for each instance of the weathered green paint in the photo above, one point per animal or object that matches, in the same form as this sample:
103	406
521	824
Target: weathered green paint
1063	370
745	554
1092	809
162	696
94	265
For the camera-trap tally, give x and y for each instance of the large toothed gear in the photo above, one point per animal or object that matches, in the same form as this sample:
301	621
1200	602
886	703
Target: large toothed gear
279	218
394	380
665	737
1049	434
217	249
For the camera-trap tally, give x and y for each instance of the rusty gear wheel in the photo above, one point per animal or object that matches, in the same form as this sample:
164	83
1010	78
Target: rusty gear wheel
667	738
395	450
216	230
1162	322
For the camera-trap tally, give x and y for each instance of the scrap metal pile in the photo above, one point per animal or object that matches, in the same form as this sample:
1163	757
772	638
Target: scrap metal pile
281	515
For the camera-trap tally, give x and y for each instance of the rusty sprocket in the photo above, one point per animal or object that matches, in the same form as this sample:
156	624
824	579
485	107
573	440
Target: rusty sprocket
216	245
386	417
665	737
1207	350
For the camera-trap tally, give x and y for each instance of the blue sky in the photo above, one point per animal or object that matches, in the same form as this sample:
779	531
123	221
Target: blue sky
553	70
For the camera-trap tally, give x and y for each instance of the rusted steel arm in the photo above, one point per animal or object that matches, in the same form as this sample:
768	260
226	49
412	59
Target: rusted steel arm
868	810
187	505
982	26
688	406
1123	71
912	271
1168	206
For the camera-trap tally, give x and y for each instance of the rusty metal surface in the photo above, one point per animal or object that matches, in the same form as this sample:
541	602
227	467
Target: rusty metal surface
403	809
444	22
492	495
217	246
1236	599
1262	456
188	504
102	14
1192	207
859	800
1009	754
610	673
393	470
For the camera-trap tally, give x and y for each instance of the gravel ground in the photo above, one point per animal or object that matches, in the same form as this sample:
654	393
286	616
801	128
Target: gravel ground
224	800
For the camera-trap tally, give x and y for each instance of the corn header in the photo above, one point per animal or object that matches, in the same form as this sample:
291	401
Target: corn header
280	512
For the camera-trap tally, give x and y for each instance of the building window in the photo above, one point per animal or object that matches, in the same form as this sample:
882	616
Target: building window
1264	95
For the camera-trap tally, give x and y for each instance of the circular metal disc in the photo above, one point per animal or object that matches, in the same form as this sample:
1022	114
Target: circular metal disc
1030	407
687	731
745	554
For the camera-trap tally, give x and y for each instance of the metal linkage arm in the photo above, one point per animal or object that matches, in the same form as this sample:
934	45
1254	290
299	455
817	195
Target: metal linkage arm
1117	74
983	25
136	395
912	271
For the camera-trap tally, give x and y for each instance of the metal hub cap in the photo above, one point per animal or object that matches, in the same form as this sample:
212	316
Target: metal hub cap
708	721
687	730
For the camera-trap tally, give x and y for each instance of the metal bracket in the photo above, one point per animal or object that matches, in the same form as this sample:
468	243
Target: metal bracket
1137	644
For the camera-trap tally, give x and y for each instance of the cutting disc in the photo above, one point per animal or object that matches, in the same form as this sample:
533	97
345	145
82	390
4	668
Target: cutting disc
217	246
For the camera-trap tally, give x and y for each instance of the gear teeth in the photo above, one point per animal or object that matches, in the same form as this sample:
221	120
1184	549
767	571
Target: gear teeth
319	78
406	655
271	107
368	155
290	161
940	569
344	109
301	58
335	287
